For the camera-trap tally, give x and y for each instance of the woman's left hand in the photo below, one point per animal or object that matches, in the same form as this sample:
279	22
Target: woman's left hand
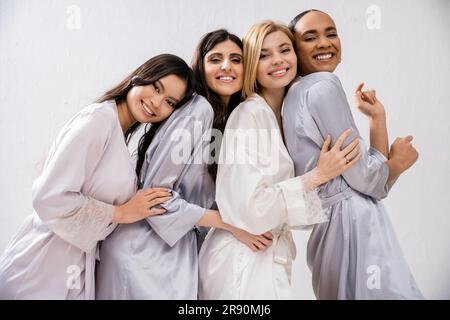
367	102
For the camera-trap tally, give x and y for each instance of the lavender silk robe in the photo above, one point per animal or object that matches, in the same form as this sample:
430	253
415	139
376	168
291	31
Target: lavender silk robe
355	254
88	170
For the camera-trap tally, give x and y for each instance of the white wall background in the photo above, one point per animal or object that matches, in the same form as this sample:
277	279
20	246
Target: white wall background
49	69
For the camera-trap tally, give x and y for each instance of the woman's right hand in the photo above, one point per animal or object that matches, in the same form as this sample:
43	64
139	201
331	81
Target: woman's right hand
140	206
402	154
254	242
335	161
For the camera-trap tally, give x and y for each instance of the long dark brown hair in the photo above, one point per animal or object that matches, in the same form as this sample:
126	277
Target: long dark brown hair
148	73
221	111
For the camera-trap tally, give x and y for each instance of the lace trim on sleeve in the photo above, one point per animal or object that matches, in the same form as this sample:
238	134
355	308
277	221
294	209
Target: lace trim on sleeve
313	204
304	208
86	225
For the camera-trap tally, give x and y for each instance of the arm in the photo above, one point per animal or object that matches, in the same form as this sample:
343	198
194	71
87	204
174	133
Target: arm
402	154
212	219
246	197
405	154
57	196
368	104
329	108
175	150
379	135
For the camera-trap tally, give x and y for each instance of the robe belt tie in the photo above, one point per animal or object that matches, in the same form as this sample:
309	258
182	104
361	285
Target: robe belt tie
284	252
344	194
91	257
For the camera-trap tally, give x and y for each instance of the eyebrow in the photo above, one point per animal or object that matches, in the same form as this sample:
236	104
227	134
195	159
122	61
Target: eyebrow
315	31
215	54
221	54
281	45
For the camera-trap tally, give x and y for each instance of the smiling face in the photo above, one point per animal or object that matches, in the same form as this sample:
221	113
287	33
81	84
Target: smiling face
317	42
155	102
277	65
224	69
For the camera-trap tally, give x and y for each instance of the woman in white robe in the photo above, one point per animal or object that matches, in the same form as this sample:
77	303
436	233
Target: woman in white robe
86	186
256	189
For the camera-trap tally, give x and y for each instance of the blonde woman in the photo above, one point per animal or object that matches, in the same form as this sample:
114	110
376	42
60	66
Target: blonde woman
256	189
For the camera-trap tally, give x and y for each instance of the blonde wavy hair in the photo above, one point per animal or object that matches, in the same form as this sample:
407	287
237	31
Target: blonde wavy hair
253	40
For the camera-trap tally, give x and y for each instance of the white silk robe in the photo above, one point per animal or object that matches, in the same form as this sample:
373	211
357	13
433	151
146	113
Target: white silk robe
256	190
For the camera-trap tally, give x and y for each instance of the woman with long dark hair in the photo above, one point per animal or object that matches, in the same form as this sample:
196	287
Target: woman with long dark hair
156	258
88	186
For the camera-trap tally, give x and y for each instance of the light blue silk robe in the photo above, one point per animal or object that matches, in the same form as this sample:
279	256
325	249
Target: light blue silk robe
355	255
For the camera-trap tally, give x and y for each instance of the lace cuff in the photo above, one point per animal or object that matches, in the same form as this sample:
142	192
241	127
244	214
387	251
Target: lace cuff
86	225
303	207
